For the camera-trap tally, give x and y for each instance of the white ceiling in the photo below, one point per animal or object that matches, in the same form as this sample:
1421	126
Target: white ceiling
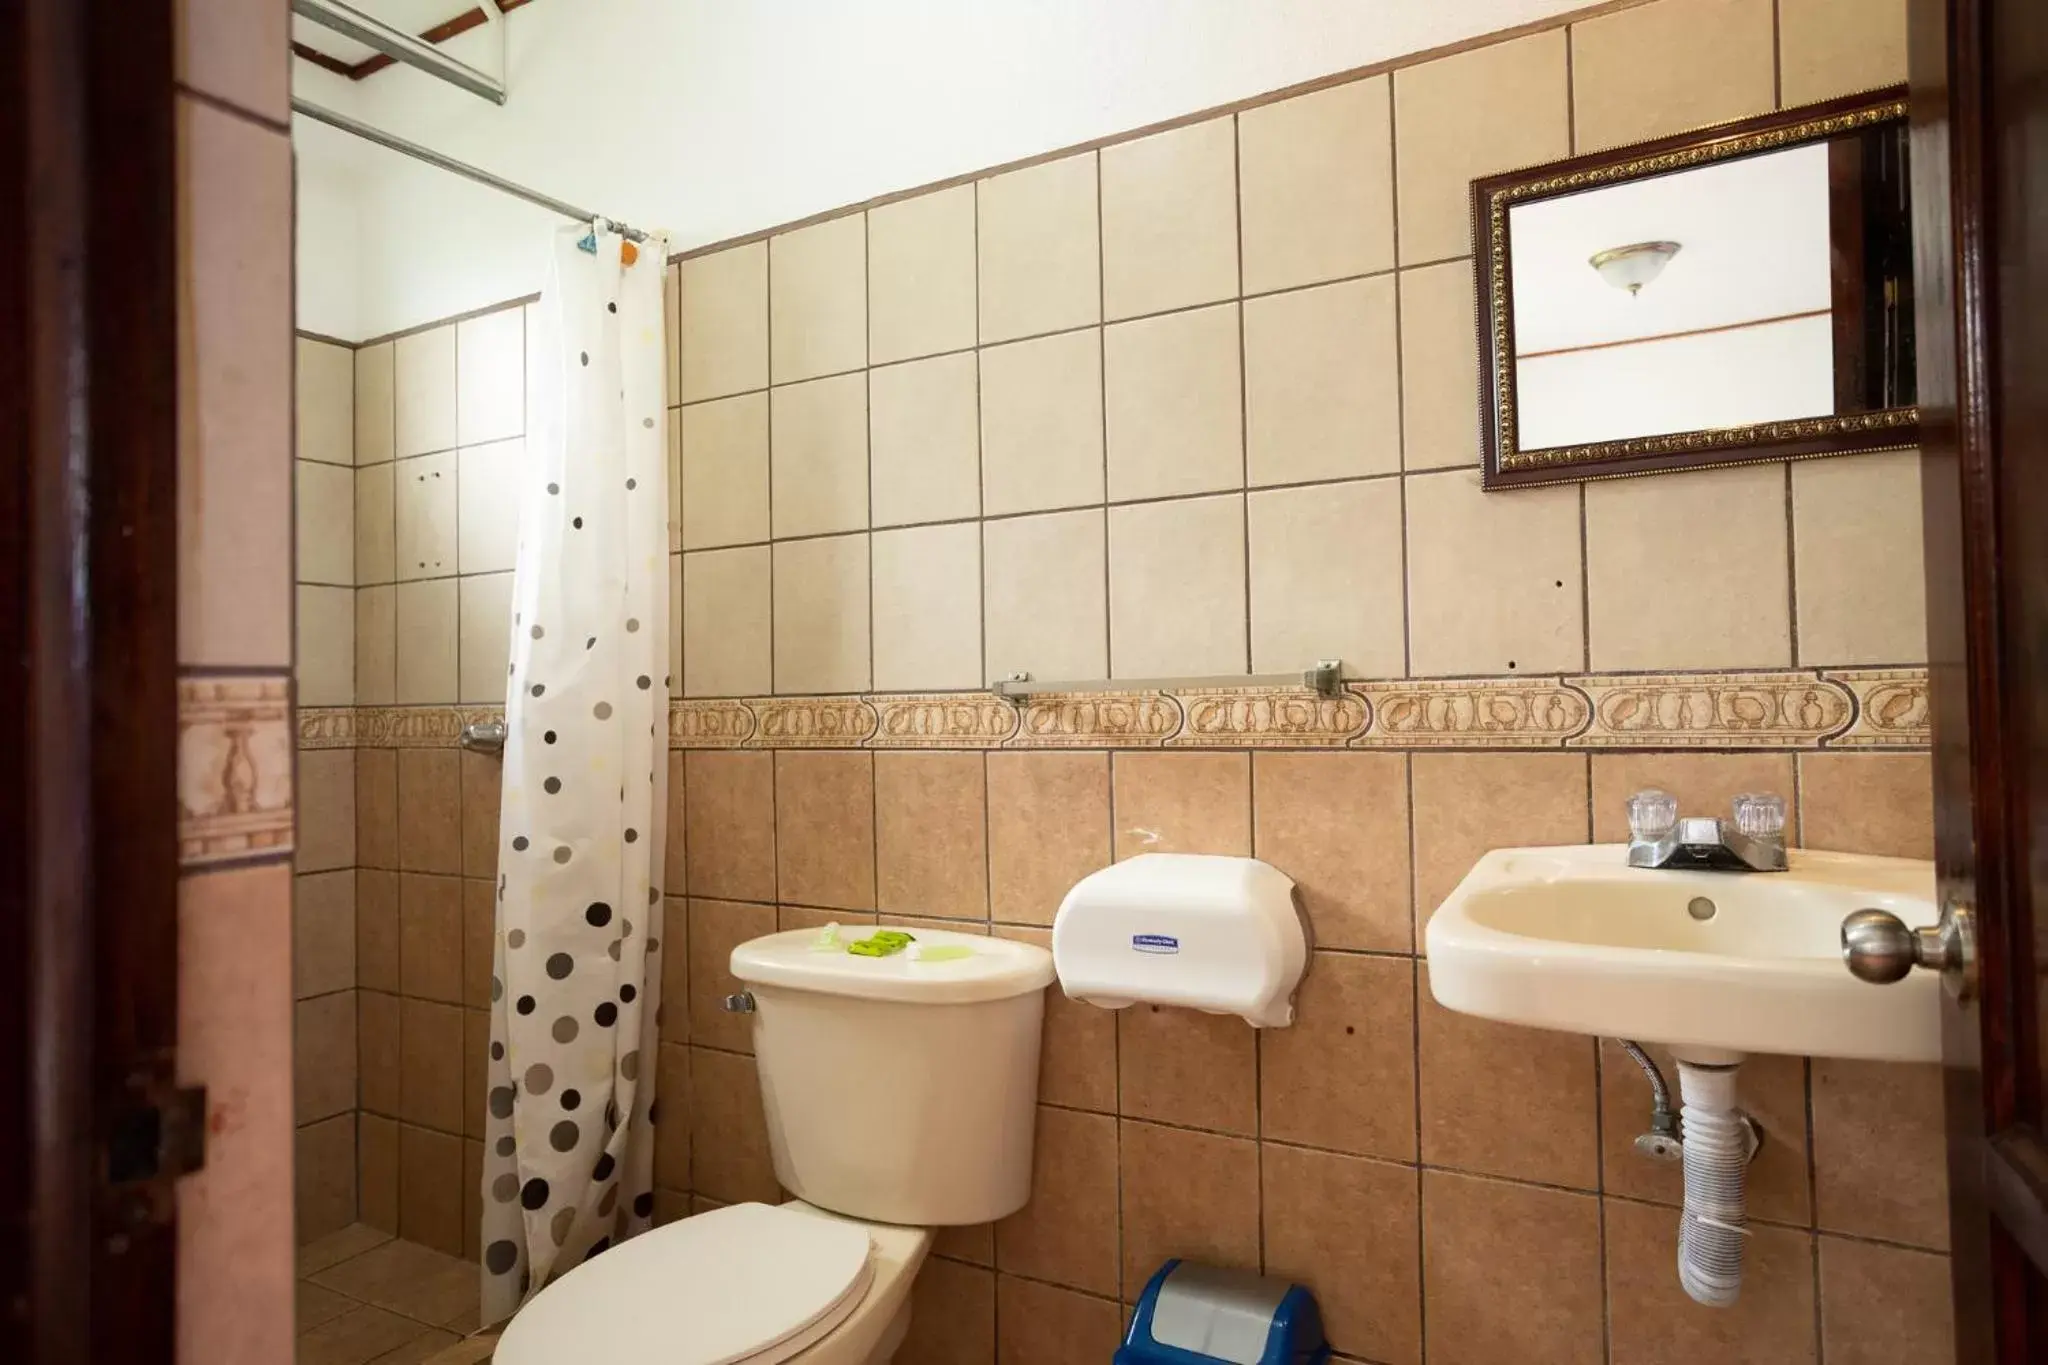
1753	238
411	16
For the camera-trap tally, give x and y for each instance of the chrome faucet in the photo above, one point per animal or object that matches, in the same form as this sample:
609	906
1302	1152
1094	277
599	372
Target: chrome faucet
1752	841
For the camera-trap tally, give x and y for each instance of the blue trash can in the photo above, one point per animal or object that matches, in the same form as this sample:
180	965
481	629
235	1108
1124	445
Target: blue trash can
1195	1314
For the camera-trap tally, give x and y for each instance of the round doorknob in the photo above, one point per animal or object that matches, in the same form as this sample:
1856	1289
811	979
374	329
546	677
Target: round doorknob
1881	948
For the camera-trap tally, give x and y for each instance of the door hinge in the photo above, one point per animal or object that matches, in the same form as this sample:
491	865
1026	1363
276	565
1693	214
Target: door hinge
156	1133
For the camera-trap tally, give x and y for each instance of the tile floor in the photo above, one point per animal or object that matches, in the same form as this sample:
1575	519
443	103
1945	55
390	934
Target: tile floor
367	1298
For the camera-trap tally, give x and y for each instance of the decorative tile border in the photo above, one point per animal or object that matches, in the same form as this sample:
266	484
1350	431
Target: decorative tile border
1777	709
234	768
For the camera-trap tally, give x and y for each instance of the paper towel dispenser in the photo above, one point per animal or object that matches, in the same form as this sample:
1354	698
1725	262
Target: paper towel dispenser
1198	930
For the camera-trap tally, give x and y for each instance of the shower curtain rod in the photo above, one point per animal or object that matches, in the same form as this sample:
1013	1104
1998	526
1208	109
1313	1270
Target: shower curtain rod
393	142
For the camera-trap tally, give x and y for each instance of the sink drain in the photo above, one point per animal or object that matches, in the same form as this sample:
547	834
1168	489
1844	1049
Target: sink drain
1699	907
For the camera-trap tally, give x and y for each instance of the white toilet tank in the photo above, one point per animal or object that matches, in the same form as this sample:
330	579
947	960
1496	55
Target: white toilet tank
899	1089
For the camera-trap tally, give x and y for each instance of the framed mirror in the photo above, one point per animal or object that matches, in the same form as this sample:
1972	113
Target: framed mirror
1732	295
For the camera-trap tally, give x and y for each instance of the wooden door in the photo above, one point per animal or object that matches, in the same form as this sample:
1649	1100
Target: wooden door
1980	190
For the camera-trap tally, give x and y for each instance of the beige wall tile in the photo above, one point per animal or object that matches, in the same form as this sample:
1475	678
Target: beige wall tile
1182	803
1322	392
1042	424
1172	404
430	937
1348	1229
233	50
326	652
324	1057
1161	1167
927	608
1338	825
1881	1305
485	636
376	524
1439	367
490	377
430	1189
1468	804
1493	581
931	835
376	420
1469	115
818	299
825	828
819	456
1474	1070
1036	1322
1063	1235
672	683
1722	530
479	903
482	784
1316	186
426	643
377	1162
1667	67
323	933
671	333
430	811
1188	1068
326	402
1705	784
427	512
821	615
1038	249
1511	1272
725	623
921	275
729	1157
376	646
1650	1318
377	1050
324	1169
326	810
672	1138
1326	578
1046	596
730	818
423	391
490	480
1870	1118
376	800
234	586
1867	803
952	1316
1343	1076
1177	588
924	440
429	1071
715	929
672	433
1838	47
724	322
1077	1049
1860	563
1048	827
1169	219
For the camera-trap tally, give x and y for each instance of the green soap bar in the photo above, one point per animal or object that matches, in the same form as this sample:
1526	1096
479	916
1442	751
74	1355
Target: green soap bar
892	936
865	948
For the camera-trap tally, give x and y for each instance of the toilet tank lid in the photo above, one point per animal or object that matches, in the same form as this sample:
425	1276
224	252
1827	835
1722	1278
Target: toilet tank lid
938	967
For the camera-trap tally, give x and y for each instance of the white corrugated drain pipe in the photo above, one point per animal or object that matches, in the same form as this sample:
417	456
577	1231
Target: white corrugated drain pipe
1714	1224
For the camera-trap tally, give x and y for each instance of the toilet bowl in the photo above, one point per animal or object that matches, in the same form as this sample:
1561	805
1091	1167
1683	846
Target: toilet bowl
900	1093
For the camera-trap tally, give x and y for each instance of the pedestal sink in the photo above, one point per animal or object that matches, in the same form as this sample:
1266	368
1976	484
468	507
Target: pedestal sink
1714	964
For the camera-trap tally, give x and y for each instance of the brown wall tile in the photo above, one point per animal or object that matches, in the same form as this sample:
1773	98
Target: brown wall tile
1705	784
1037	1324
675	876
326	810
472	1200
377	930
1771	1089
1871	1119
730	824
430	811
377	1167
1348	1228
377	808
1468	804
323	932
1867	803
479	939
1182	803
1338	825
672	1129
324	1177
1066	1234
825	828
1473	1071
324	1057
476	1070
1511	1272
1163	1168
716	928
481	779
952	1316
1343	1075
430	1189
1652	1322
931	835
729	1156
975	1244
675	970
430	1065
1882	1305
377	1051
1077	1064
1188	1068
430	937
1048	827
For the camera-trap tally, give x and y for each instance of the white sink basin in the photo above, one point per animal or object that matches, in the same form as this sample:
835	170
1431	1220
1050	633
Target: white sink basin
1574	939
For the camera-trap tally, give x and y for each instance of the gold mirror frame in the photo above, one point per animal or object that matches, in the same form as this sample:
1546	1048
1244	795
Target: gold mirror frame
1503	463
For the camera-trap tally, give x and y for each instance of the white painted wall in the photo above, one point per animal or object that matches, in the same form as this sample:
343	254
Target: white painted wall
711	118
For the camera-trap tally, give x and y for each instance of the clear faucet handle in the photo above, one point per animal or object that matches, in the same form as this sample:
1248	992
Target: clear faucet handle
1760	815
1652	814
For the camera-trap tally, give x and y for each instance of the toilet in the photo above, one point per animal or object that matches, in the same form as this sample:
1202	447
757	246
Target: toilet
900	1093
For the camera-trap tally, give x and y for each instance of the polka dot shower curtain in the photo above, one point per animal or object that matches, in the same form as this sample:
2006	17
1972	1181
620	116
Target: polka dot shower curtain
569	1150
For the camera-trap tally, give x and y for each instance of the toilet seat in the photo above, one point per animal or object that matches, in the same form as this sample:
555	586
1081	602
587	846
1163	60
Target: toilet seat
750	1284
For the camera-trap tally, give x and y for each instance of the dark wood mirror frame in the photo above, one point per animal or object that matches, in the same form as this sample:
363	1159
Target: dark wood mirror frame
1503	464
